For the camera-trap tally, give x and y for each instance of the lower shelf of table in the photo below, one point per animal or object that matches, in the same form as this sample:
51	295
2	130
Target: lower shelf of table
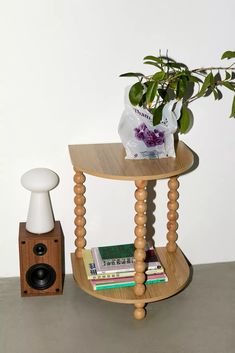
176	268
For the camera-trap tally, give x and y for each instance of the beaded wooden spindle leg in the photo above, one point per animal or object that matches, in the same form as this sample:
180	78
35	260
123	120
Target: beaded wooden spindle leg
139	312
79	211
140	242
172	214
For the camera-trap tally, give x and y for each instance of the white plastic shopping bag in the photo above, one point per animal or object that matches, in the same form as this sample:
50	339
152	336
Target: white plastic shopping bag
140	138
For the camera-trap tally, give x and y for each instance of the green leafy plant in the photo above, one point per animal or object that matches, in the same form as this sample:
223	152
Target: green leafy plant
174	80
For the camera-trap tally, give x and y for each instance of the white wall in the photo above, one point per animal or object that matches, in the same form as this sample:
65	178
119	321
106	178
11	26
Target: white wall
59	85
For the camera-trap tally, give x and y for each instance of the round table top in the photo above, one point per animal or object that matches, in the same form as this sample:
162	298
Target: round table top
108	161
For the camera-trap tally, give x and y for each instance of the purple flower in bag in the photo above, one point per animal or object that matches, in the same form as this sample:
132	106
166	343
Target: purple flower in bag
150	138
140	131
160	138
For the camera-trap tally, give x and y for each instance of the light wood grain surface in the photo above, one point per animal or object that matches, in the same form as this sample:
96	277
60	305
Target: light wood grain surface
108	161
176	268
53	256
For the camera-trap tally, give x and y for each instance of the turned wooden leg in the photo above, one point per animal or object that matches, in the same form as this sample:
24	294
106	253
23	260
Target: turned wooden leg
172	214
79	211
139	312
140	242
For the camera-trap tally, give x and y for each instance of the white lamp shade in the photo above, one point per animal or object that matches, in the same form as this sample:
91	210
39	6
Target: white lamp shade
40	181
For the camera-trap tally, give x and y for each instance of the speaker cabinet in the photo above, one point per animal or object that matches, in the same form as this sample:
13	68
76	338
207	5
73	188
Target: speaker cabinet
41	261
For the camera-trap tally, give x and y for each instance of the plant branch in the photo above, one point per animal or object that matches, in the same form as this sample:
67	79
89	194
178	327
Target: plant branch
201	69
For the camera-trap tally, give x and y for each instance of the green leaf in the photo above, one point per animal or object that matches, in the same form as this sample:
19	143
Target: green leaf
218	93
228	85
157	115
194	79
232	115
233	75
181	87
132	74
162	93
173	85
170	94
208	91
208	81
152	63
151	92
143	100
176	65
228	54
167	59
203	72
184	120
189	90
227	75
136	93
153	58
182	65
217	77
159	76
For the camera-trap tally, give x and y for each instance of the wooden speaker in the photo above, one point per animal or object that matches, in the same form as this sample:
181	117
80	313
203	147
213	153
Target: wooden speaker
41	261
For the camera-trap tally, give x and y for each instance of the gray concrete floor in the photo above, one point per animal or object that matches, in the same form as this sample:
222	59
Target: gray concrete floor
200	319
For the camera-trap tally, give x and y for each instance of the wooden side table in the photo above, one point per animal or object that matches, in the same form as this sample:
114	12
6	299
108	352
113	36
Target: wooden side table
108	161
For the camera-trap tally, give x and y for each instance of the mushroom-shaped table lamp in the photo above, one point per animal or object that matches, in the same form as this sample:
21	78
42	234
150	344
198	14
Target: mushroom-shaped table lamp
40	181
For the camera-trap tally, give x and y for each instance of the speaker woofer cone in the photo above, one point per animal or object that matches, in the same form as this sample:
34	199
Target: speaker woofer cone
40	276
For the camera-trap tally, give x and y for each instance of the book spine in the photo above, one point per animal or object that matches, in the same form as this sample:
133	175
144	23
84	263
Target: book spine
92	274
119	274
126	279
110	275
126	284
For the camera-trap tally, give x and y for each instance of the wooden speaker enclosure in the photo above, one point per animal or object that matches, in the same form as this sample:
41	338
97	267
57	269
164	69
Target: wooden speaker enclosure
44	251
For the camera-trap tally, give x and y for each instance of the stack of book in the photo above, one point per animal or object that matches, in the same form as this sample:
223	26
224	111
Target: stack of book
113	266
